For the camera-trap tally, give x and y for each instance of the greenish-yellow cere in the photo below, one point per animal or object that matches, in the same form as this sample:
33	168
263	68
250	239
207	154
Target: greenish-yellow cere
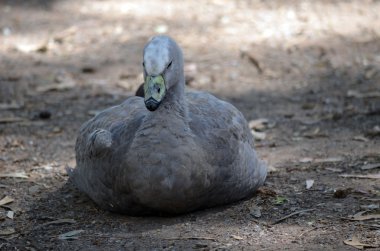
154	87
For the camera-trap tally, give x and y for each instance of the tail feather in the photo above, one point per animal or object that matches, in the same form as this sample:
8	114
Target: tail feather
262	172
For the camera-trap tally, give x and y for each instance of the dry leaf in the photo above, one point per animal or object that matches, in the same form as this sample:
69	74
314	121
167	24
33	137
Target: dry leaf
14	175
306	160
306	121
308	106
27	48
334	169
59	37
60	221
329	160
237	237
10	214
56	87
315	134
258	135
375	131
375	227
266	191
12	105
370	72
361	176
360	217
6	200
371	199
42	47
370	166
272	169
360	138
370	206
10	120
355	242
258	124
356	94
162	28
57	129
309	184
70	235
7	231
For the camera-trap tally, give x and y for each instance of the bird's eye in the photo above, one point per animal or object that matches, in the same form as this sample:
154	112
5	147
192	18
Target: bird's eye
170	64
159	89
143	64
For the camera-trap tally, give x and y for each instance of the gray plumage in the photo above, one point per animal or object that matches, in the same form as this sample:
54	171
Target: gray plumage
194	151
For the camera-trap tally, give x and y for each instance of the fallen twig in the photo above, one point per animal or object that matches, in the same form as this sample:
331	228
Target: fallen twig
262	223
369	199
13	105
107	236
292	214
57	222
361	176
252	60
356	94
355	242
22	175
56	87
6	200
192	238
10	120
361	217
307	231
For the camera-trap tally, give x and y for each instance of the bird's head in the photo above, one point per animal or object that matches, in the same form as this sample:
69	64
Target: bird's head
162	64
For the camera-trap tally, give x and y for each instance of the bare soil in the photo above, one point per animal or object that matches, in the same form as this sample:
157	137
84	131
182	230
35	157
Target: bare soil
310	68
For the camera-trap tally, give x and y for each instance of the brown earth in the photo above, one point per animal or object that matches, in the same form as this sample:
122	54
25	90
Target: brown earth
310	68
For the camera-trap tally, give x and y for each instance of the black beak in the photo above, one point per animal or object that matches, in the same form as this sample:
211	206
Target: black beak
152	104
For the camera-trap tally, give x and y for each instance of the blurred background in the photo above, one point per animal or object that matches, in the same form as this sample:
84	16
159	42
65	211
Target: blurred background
281	60
305	74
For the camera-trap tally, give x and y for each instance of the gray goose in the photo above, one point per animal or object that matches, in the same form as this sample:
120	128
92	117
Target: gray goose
170	152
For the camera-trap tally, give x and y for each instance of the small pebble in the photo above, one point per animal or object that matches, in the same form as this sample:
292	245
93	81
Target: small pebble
57	130
88	69
342	193
45	114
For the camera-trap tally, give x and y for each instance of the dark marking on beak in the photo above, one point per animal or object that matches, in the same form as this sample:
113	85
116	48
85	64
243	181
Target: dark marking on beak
152	104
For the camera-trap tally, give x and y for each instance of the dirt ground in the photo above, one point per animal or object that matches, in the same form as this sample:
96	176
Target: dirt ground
306	72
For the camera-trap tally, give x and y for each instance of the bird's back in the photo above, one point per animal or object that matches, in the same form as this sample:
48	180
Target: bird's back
223	133
101	146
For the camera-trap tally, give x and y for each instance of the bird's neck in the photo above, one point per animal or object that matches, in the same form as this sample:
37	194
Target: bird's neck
175	101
